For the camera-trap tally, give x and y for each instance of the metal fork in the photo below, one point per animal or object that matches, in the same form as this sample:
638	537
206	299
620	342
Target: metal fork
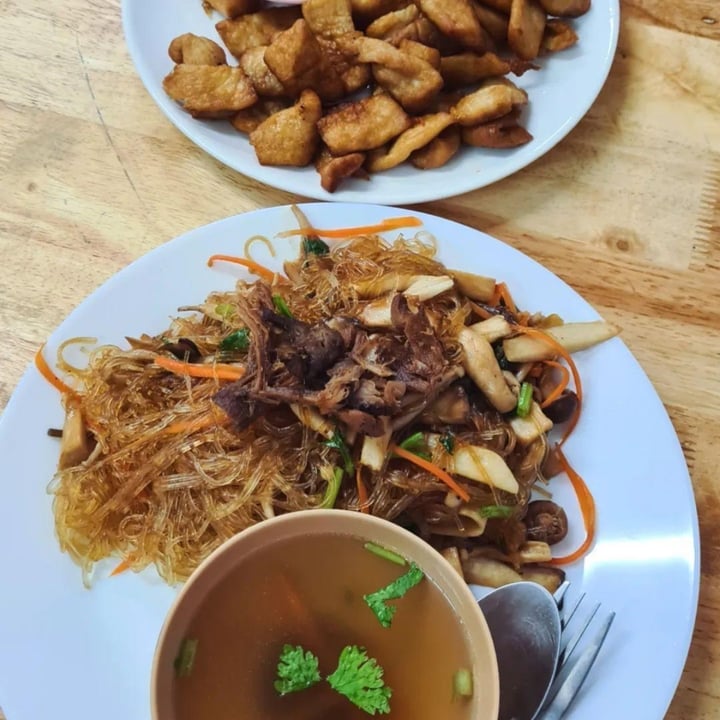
570	675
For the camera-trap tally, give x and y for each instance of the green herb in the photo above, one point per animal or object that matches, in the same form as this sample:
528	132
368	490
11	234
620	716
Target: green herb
524	402
185	659
281	306
503	362
360	679
383	552
416	445
377	601
463	683
224	310
337	442
496	511
448	442
332	489
297	670
236	341
313	245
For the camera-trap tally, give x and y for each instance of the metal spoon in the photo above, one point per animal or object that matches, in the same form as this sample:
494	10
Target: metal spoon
524	622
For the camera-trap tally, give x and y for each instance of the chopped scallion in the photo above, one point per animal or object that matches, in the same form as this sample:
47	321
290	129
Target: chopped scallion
415	444
224	310
281	306
186	657
463	683
313	245
496	511
384	553
448	442
525	398
238	340
332	489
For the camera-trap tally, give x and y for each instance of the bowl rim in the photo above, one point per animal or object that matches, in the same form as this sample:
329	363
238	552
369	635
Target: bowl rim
345	522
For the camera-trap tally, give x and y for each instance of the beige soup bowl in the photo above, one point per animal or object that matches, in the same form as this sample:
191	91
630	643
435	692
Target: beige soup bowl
486	695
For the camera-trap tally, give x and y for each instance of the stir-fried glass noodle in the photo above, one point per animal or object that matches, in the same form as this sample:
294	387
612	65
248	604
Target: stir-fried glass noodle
368	377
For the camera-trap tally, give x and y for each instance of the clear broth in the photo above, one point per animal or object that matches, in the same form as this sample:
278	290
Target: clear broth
310	593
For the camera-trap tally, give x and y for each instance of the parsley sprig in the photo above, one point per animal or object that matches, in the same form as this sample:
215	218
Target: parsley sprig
297	670
360	679
378	600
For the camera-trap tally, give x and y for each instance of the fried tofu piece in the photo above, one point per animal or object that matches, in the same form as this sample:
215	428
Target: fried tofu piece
245	121
429	54
558	36
298	61
423	131
469	68
353	75
503	133
565	8
413	82
492	100
189	49
328	18
259	28
210	91
526	28
289	137
438	151
457	20
261	76
369	10
494	22
363	125
408	23
391	22
233	8
333	170
503	6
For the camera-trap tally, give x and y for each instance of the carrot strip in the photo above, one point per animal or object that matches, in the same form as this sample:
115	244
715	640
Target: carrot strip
362	490
340	233
217	372
251	265
439	473
587	507
121	568
44	369
565	355
557	391
505	295
480	311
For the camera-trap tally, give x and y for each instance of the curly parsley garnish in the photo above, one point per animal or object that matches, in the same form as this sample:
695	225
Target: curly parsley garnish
360	679
297	670
377	601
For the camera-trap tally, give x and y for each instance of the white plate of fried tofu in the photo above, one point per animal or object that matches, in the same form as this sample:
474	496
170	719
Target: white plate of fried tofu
381	101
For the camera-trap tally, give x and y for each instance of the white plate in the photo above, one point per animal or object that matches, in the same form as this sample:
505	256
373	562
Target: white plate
66	652
560	95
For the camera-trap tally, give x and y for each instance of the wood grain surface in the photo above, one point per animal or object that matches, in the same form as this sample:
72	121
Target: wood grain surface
626	209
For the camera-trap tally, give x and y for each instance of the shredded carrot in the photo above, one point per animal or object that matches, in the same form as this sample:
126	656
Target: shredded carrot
480	311
340	233
362	490
506	297
121	568
439	473
217	371
49	375
251	265
565	355
557	391
587	507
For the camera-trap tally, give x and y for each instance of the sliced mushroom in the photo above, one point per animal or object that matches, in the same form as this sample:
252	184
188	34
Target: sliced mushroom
494	328
489	573
74	446
546	521
530	428
551	578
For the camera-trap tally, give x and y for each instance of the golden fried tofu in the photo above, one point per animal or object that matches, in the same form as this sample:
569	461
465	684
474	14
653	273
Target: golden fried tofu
413	82
408	23
298	61
245	121
354	75
429	54
368	10
328	18
558	36
289	137
503	133
565	8
469	68
210	91
333	170
492	100
502	6
526	28
189	49
263	79
457	20
494	22
438	151
391	22
233	8
258	28
423	131
363	125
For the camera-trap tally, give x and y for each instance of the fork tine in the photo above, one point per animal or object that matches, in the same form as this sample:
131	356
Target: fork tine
559	594
571	678
567	616
567	645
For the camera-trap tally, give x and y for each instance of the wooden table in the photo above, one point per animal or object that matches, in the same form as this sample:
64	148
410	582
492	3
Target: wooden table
626	209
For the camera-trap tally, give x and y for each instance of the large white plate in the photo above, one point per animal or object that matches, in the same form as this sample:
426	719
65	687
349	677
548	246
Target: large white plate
66	652
560	94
